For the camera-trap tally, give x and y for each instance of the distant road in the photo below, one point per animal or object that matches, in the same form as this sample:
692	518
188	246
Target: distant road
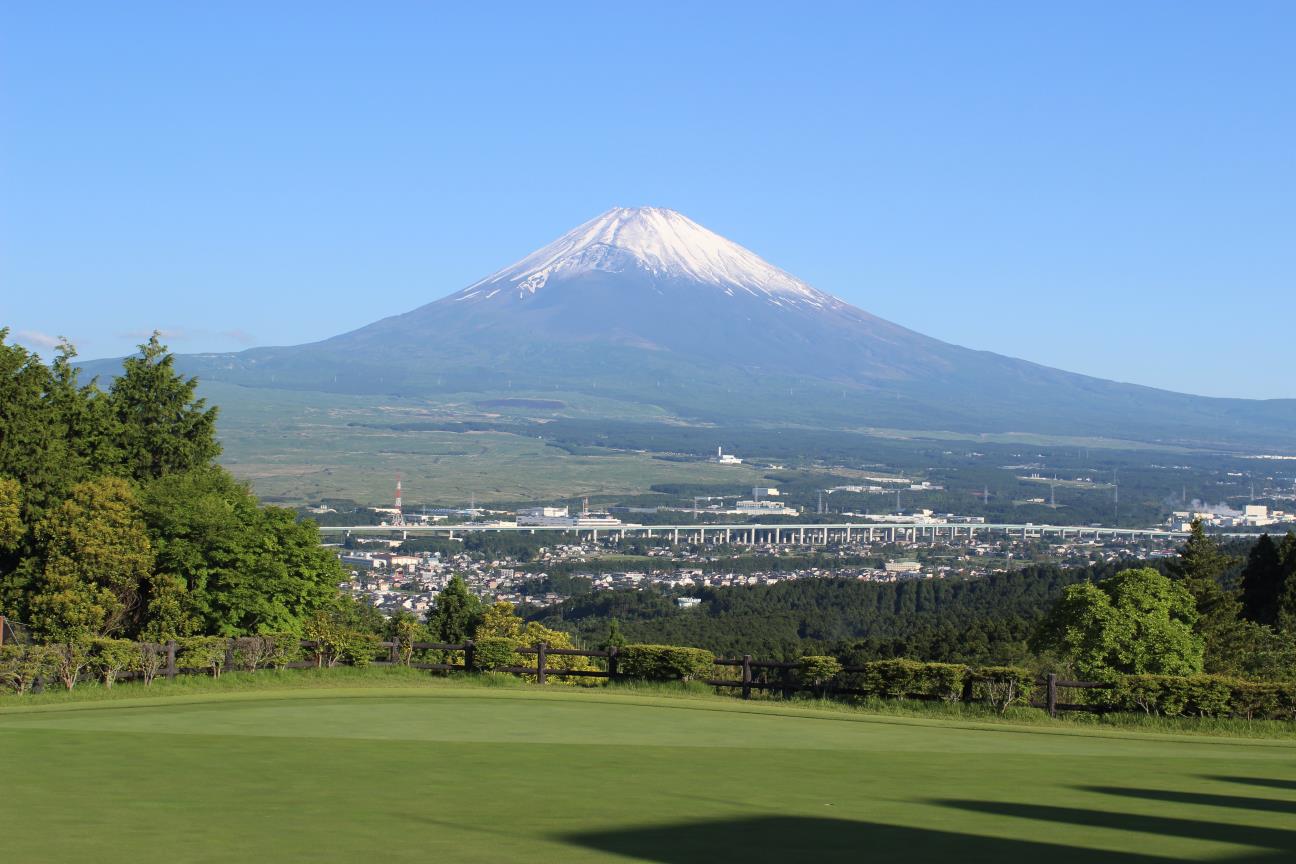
800	534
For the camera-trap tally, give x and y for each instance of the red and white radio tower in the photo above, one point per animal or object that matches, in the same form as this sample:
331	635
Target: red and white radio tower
399	518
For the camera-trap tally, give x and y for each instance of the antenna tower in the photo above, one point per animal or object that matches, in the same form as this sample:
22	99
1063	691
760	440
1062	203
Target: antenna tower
399	518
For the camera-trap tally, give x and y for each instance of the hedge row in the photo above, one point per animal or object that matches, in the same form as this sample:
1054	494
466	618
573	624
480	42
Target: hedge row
1199	696
665	662
108	660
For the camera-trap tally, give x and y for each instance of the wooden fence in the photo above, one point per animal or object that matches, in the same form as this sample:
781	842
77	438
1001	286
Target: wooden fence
769	676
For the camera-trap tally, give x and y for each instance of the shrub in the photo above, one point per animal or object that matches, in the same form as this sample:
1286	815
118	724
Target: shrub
495	652
1001	686
253	652
22	665
665	662
111	657
285	648
1204	696
897	679
202	654
151	660
70	659
819	671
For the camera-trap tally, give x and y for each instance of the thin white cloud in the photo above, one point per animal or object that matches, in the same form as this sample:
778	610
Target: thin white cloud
190	334
37	339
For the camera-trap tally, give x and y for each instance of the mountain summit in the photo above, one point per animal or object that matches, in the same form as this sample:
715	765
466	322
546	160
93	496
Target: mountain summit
657	242
645	307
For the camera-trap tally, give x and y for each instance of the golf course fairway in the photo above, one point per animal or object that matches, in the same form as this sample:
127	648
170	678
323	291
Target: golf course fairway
474	774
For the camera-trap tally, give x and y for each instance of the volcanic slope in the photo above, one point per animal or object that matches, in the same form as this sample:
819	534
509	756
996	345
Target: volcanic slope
644	305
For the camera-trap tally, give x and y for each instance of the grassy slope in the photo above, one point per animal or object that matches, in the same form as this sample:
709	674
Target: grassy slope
445	772
304	446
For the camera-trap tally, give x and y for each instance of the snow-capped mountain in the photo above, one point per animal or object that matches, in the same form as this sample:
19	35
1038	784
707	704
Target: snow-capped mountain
659	243
645	306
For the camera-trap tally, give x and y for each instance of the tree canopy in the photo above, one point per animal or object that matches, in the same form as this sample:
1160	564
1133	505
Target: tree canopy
114	519
1138	622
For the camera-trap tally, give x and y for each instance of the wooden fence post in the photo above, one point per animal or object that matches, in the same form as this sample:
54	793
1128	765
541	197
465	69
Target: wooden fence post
470	655
746	676
229	654
2	630
171	658
1052	694
612	662
541	649
393	653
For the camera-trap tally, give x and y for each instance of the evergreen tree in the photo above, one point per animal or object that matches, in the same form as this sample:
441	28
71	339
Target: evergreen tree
163	427
1286	616
456	614
1262	582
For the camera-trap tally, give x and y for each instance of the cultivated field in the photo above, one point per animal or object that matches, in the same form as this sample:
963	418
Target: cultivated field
440	772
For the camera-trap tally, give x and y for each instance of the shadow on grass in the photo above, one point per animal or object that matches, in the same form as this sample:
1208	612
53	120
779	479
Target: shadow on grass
1239	802
784	839
1266	782
1281	841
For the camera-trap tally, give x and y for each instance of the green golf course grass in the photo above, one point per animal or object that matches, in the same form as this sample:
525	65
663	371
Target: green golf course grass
452	773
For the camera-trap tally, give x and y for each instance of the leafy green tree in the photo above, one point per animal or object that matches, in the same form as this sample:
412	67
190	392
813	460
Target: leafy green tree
1262	582
96	561
456	613
1137	622
163	428
499	621
233	567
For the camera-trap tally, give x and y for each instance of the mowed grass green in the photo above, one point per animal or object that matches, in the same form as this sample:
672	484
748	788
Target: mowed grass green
451	773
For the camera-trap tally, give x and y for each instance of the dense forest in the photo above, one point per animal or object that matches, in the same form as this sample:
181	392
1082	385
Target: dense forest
974	620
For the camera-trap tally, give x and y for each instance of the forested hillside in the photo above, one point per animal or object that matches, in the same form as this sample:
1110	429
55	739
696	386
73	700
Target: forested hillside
976	620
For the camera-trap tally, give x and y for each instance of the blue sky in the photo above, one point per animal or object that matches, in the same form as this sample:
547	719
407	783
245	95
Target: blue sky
1108	188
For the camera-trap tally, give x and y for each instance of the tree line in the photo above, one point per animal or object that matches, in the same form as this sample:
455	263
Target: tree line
115	520
1211	611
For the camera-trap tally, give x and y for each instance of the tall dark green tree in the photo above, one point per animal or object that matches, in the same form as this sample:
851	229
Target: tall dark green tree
163	427
456	614
1262	582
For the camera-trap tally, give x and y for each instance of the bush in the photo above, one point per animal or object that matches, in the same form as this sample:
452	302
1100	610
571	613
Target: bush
665	662
495	652
1203	696
819	671
202	654
898	679
253	652
70	659
1001	686
111	657
150	661
22	665
285	648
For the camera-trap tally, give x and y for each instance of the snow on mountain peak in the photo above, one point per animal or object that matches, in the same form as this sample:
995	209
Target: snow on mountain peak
661	242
